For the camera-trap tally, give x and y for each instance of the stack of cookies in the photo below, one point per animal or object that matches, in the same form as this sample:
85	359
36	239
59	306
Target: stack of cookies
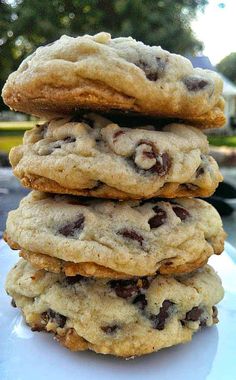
114	247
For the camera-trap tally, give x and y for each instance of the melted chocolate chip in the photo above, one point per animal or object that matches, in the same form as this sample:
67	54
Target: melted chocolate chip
181	212
110	329
214	312
152	73
131	234
71	280
158	219
66	140
37	328
189	186
69	139
117	134
200	171
52	316
164	313
168	263
162	165
203	322
195	83
144	282
194	314
124	288
140	301
72	228
149	154
163	161
128	288
13	304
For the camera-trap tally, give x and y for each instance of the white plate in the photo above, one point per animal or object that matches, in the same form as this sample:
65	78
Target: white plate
211	355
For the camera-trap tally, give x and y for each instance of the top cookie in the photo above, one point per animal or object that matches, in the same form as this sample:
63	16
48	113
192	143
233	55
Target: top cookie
100	73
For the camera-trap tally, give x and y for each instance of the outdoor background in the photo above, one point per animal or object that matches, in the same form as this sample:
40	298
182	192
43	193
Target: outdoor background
201	30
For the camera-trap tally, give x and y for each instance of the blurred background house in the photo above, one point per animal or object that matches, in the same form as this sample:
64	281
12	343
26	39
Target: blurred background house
229	94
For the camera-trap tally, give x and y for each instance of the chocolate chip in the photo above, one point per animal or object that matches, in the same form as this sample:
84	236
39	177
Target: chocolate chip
71	280
162	165
66	140
203	322
214	312
158	219
181	212
124	288
152	73
168	263
69	139
117	134
72	228
163	160
144	282
110	329
199	171
128	288
164	313
140	301
195	83
13	304
149	154
37	328
194	314
52	316
131	234
189	186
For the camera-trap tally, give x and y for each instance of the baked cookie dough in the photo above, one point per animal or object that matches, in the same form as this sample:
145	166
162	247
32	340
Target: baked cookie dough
102	237
95	157
119	317
103	74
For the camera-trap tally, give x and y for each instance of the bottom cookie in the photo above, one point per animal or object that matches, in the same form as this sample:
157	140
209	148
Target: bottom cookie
119	317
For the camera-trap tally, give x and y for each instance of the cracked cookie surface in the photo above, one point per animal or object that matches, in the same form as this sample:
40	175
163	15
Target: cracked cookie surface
96	157
100	73
115	238
119	317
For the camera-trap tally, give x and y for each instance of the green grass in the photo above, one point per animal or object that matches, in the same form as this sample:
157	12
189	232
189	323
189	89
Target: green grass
11	125
222	140
7	142
11	133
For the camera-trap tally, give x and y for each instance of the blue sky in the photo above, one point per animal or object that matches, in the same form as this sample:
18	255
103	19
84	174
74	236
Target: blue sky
216	27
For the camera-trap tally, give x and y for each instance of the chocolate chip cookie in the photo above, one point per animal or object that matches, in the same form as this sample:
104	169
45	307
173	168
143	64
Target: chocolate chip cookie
94	156
119	317
114	239
100	73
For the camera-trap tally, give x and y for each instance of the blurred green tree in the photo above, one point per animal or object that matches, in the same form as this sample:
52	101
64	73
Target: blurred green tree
227	66
26	24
